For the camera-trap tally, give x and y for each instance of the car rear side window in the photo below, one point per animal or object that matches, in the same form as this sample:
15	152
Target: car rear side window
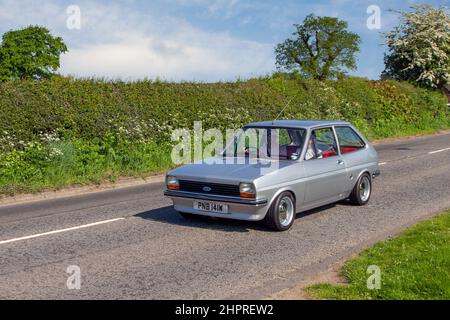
349	140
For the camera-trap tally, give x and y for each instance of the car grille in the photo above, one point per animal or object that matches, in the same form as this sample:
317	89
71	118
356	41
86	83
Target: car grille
216	188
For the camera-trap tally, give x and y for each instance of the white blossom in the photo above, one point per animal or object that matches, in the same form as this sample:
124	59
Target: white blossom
419	48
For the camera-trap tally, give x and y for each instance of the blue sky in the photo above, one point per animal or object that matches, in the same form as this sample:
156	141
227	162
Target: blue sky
197	40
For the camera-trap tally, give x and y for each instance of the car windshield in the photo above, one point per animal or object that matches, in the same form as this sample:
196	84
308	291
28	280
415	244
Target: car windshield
273	143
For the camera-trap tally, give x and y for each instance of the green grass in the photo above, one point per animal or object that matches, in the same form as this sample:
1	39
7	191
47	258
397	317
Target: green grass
414	265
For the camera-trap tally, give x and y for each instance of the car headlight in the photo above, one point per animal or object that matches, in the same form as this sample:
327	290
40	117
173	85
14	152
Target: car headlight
247	190
172	183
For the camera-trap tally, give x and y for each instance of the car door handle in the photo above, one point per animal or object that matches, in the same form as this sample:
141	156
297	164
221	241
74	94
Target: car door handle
341	162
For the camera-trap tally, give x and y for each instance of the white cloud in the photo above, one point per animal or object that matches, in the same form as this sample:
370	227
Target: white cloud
120	41
138	56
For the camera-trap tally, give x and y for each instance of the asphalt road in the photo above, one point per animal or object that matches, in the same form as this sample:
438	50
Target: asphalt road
149	252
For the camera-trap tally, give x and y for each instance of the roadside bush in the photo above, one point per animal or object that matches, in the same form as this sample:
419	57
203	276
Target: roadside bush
67	131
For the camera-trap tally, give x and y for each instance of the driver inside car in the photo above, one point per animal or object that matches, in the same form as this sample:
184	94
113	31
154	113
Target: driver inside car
312	151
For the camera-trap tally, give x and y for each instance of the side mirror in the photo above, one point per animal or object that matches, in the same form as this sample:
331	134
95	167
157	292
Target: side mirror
294	156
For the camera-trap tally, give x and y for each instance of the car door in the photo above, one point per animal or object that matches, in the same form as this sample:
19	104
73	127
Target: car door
352	148
324	168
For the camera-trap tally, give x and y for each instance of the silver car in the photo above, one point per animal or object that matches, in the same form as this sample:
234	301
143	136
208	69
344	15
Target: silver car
273	170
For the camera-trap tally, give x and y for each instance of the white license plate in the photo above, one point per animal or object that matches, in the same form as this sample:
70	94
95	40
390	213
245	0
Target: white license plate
211	206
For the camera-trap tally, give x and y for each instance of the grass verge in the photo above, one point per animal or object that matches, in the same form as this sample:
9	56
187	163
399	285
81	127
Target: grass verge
414	265
75	163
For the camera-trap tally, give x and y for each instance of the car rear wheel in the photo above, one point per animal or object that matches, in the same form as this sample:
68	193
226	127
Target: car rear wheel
362	191
281	214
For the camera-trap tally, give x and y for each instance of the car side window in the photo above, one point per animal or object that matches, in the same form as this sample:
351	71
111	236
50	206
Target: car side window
349	140
322	144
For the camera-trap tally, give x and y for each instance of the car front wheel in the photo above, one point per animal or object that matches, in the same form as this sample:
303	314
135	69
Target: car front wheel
362	191
281	214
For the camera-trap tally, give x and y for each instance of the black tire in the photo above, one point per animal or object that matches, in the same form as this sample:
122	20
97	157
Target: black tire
273	217
188	216
358	196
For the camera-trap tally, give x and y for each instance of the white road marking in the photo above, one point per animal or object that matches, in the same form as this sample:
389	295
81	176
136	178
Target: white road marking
60	231
437	151
382	163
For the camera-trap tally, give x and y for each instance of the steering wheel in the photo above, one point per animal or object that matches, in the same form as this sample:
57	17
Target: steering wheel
247	150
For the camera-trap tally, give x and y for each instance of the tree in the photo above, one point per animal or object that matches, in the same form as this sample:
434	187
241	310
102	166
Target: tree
419	48
321	48
30	53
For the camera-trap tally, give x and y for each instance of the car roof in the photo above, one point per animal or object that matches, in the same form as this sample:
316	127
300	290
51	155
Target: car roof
306	124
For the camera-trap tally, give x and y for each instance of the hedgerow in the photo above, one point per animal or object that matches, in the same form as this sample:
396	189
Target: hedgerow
63	131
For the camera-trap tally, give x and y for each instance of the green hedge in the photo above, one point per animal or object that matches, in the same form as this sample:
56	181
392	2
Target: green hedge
63	131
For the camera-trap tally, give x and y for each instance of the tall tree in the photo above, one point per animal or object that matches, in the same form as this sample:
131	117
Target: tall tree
322	48
419	47
30	53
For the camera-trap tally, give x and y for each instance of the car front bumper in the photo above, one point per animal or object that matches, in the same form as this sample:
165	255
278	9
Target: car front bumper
238	208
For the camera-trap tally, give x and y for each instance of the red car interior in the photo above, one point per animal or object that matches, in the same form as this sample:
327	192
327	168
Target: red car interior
348	149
